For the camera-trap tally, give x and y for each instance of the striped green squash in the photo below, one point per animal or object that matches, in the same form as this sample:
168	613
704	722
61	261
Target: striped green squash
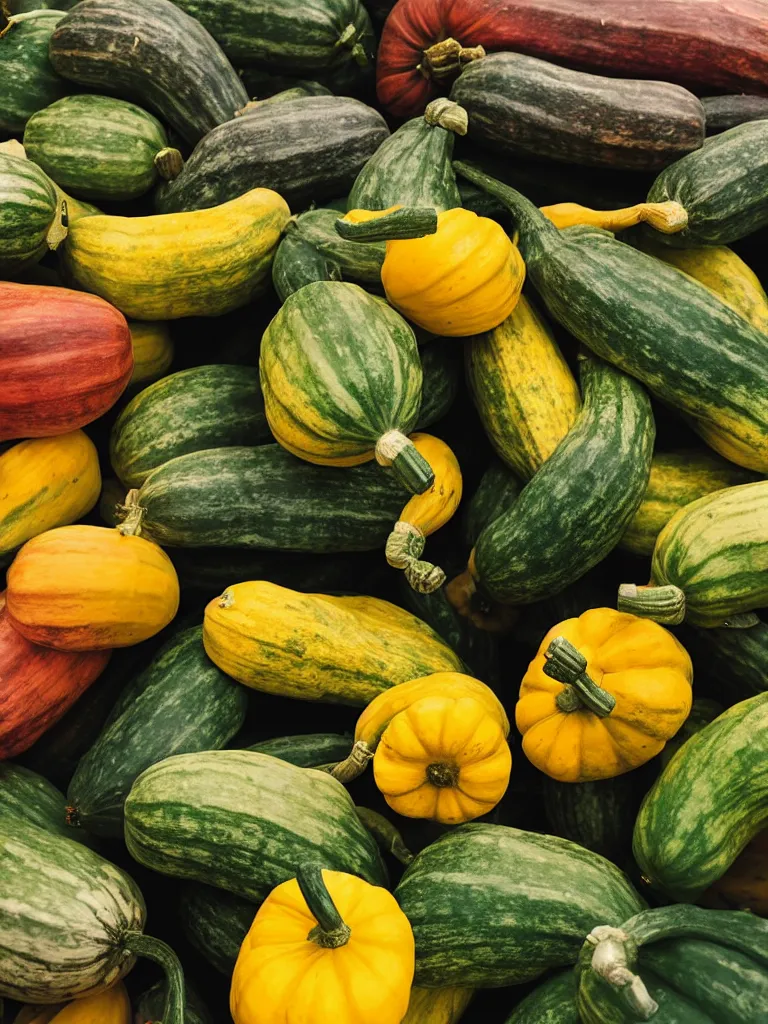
553	1002
710	562
491	905
497	490
356	261
297	263
308	750
151	1003
215	922
189	411
244	821
98	147
28	208
598	815
733	662
29	81
31	797
707	804
179	704
441	369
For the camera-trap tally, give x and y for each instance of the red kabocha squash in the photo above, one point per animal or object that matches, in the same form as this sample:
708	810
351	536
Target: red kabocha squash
37	685
65	359
425	43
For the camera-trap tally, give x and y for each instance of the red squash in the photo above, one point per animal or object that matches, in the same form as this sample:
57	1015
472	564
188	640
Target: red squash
65	359
37	685
719	43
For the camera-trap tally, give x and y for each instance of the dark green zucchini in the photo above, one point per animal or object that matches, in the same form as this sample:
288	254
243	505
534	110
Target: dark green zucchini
28	207
599	816
724	112
189	411
357	261
731	663
25	794
496	492
29	81
307	150
176	69
151	1004
297	263
179	704
693	351
441	366
307	750
553	1002
266	498
215	922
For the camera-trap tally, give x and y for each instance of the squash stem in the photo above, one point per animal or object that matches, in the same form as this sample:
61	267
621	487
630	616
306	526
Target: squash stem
447	114
662	604
348	769
408	464
668	218
568	665
387	225
447	58
331	931
132	514
404	543
385	834
424	577
613	952
168	163
174	1010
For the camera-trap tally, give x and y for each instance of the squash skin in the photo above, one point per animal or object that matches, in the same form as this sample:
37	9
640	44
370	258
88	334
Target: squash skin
31	797
308	750
522	388
88	588
351	261
152	352
553	1002
66	359
180	72
38	685
520	105
28	207
497	491
441	369
733	661
215	922
725	112
352	647
29	81
437	1006
109	1007
744	885
44	483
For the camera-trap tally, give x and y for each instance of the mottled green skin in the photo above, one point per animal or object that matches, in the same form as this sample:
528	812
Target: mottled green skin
178	70
308	750
62	911
734	661
496	492
723	187
442	370
29	81
151	1004
189	411
702	712
27	208
357	261
553	1002
28	796
575	508
707	804
266	498
298	263
179	704
536	896
716	551
96	147
599	816
244	821
215	922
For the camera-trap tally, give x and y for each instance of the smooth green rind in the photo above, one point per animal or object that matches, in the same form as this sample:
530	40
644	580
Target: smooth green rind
498	489
266	498
553	1002
181	703
96	147
215	922
493	906
707	804
357	261
575	508
441	368
27	208
244	821
189	411
30	797
298	263
29	81
307	750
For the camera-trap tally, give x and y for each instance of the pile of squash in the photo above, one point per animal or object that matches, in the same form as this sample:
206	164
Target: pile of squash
383	512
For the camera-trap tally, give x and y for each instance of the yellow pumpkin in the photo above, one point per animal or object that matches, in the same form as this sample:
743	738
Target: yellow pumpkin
602	696
437	1005
44	483
108	1007
152	351
325	947
424	514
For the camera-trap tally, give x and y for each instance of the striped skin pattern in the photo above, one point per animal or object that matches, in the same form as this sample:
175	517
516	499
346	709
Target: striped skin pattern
37	685
177	70
574	510
179	704
96	147
27	796
339	369
265	498
152	351
307	751
189	411
307	150
188	264
441	369
44	483
552	893
496	492
215	922
313	647
244	822
553	1002
357	261
437	1005
522	388
723	187
297	263
716	551
735	659
150	1006
27	209
715	790
597	815
29	81
677	479
65	358
54	955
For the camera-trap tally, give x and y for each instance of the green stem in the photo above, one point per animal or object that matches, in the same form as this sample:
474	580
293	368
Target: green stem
408	464
162	954
348	769
407	222
385	834
662	604
568	665
331	932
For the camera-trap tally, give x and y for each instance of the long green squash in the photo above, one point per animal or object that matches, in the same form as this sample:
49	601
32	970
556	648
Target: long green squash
29	81
707	804
497	490
653	322
28	207
309	750
215	922
31	797
553	1002
244	821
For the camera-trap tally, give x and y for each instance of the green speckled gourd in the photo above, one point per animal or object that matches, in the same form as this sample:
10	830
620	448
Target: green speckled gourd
598	815
553	1002
26	795
28	208
552	893
215	922
98	147
29	81
309	750
356	261
703	711
497	490
732	662
441	369
297	263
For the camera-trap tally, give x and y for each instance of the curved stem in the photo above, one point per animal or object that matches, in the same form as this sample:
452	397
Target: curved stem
162	954
447	114
446	58
405	543
348	769
408	464
668	218
662	604
331	931
385	834
388	225
132	514
613	952
568	665
424	577
168	163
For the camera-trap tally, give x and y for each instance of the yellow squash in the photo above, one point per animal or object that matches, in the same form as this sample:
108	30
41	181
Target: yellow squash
602	696
108	1007
44	483
437	1005
202	263
424	514
314	647
325	947
669	217
152	351
523	389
